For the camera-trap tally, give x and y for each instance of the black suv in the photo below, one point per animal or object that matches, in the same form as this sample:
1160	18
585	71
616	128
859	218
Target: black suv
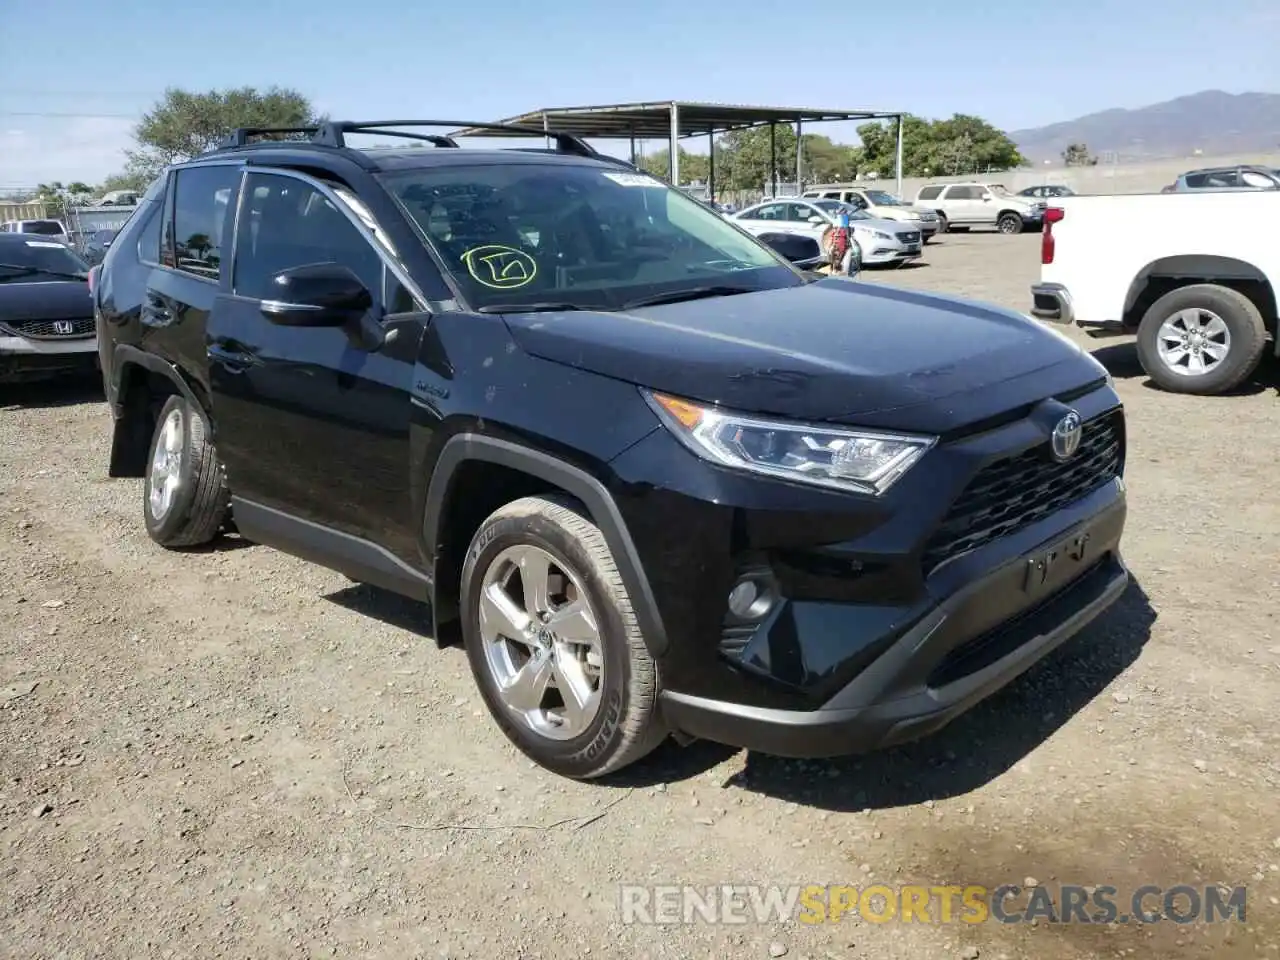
659	480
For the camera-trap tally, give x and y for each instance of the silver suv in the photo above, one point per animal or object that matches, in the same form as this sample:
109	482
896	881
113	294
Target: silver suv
1242	177
965	205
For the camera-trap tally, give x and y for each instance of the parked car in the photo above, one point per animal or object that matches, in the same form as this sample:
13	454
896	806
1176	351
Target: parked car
880	205
97	244
1243	177
46	316
966	205
1201	302
46	229
657	479
880	241
1047	191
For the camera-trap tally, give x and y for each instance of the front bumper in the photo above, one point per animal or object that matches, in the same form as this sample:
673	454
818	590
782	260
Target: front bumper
23	359
968	647
876	251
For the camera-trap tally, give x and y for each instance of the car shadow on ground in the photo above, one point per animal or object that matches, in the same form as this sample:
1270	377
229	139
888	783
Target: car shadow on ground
66	391
972	750
1121	361
390	608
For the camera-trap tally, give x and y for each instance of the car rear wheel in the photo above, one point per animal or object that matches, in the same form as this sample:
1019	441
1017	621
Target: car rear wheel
184	500
553	643
1201	339
942	224
1009	223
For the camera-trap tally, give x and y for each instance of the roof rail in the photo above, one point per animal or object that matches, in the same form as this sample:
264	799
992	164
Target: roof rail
239	137
332	133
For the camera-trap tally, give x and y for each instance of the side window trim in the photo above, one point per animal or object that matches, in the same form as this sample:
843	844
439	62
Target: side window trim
336	197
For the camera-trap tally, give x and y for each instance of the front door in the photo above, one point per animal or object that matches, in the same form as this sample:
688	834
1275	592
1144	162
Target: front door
313	422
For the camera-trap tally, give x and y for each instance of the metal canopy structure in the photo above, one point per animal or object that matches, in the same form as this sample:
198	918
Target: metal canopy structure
673	120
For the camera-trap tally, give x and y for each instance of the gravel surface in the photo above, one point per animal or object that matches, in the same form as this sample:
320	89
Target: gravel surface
230	753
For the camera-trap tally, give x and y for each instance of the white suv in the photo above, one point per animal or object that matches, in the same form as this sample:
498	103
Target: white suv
965	205
45	229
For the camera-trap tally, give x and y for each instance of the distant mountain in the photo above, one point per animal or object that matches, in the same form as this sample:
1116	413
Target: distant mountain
1213	122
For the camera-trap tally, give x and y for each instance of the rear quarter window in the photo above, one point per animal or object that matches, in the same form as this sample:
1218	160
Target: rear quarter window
929	193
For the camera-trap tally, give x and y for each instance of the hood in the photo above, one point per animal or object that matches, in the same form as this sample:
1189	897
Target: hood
57	300
895	213
832	350
885	226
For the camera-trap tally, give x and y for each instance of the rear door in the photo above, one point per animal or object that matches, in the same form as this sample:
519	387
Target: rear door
963	204
312	422
195	249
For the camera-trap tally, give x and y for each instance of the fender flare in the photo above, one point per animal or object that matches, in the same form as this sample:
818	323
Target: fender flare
126	354
573	480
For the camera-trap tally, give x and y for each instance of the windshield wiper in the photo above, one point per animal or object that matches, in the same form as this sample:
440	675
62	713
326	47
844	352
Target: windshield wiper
24	271
548	306
692	293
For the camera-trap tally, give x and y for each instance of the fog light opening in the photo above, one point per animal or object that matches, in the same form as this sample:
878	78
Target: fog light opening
751	599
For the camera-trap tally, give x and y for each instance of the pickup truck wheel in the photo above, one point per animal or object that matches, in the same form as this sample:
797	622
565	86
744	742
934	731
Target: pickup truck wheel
184	500
1009	223
1202	339
553	642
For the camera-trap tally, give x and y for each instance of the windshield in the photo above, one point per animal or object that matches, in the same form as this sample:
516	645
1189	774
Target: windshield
37	260
882	199
834	207
47	228
581	235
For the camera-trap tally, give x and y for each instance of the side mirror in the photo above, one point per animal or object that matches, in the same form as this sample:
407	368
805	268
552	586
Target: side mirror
316	295
815	219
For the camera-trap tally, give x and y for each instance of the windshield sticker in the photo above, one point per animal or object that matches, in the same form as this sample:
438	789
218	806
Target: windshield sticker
46	244
499	267
632	179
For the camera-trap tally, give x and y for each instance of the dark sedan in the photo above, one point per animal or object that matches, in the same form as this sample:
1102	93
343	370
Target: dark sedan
46	315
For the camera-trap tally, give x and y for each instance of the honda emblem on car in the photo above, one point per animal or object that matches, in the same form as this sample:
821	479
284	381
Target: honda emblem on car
1066	437
64	327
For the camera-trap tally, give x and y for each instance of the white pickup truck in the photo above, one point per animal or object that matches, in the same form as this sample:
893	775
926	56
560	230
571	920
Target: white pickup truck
1194	275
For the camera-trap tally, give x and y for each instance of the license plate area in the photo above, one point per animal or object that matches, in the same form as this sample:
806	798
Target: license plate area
1058	564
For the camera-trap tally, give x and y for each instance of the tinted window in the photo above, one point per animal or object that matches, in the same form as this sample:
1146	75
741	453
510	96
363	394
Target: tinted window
287	223
800	212
929	193
590	235
29	261
1252	178
962	193
201	199
149	238
770	211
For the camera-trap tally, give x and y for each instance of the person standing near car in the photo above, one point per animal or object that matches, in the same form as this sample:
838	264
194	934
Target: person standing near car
848	261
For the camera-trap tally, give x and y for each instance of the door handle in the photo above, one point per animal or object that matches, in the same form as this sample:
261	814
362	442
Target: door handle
233	361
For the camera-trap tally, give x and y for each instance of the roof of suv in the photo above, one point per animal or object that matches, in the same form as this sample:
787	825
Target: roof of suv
330	138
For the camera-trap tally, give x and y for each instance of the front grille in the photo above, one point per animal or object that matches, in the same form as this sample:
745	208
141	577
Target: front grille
909	236
50	329
1015	492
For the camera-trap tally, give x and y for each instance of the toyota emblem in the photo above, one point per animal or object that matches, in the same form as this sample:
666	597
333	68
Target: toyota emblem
1066	437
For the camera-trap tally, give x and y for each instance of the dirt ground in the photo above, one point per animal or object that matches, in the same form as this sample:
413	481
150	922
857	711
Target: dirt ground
231	753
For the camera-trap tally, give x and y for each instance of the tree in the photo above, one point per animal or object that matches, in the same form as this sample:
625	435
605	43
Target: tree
57	197
1077	155
183	124
828	162
743	156
962	144
693	166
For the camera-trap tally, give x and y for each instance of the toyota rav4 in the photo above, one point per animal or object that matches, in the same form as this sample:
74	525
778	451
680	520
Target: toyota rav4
657	480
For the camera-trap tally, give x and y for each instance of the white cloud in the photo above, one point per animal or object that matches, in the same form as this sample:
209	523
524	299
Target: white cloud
49	148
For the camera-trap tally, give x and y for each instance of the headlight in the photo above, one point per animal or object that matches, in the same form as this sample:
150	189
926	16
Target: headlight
860	461
880	234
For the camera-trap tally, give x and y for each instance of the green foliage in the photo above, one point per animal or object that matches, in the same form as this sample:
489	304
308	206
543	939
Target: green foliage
184	124
1077	155
693	166
962	144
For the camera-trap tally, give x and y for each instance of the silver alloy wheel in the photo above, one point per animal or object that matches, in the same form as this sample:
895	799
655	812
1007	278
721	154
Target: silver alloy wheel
1008	225
541	642
1193	342
166	465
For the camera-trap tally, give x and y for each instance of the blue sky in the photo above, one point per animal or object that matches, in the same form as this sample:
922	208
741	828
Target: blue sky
1017	64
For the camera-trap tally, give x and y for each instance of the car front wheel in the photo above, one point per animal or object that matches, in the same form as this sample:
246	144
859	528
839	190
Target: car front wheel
553	643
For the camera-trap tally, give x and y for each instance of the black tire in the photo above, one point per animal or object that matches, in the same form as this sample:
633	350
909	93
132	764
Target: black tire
1009	223
1247	330
628	724
943	225
200	502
